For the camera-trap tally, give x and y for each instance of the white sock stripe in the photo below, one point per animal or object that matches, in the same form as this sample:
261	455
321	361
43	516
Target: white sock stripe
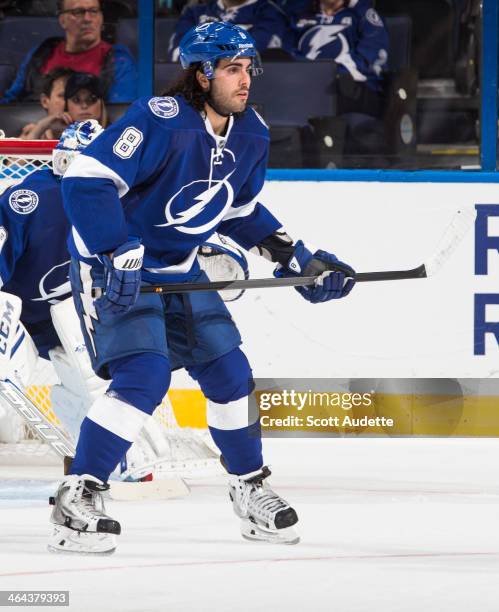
233	415
118	417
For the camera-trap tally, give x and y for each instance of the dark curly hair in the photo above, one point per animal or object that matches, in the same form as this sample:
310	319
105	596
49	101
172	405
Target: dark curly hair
188	86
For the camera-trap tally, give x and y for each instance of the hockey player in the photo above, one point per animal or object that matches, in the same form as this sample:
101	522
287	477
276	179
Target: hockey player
34	267
141	200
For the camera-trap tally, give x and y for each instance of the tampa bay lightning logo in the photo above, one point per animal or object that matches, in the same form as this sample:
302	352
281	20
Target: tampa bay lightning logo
320	36
23	201
199	206
50	287
166	108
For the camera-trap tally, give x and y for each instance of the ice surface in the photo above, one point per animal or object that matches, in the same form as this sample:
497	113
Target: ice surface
386	524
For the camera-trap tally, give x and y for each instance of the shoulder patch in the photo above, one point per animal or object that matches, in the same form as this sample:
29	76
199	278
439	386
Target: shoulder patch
373	18
166	107
23	201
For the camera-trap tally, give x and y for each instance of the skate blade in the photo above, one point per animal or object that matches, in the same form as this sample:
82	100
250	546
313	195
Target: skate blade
66	551
68	541
255	533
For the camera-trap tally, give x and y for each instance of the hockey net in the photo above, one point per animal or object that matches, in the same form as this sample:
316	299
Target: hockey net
191	452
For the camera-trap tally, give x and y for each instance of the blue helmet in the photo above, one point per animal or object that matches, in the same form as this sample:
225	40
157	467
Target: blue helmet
209	42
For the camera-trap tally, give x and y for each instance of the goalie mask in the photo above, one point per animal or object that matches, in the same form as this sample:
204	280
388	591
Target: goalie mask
75	138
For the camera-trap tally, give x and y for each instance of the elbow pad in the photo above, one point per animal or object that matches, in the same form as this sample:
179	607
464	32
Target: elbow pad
278	247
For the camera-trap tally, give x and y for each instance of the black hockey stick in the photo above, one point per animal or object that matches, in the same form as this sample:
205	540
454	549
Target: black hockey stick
266	283
450	240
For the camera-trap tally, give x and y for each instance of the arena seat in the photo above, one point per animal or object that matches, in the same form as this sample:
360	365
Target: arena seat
289	93
127	33
7	74
279	92
19	34
432	33
13	117
399	29
164	74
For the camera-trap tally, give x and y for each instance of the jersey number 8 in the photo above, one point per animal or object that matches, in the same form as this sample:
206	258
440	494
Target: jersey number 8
128	142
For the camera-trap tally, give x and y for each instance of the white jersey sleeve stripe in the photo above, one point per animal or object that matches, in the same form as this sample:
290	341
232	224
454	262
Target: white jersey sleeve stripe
235	212
88	167
180	268
79	244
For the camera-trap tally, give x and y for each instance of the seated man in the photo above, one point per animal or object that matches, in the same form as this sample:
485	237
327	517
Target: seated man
267	23
349	31
353	34
82	50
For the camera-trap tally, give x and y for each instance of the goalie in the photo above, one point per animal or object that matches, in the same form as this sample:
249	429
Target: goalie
37	316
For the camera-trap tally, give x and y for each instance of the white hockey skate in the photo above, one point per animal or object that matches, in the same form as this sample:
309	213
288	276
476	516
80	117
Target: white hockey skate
265	517
80	523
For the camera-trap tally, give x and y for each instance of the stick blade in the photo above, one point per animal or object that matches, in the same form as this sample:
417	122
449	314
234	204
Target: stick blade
451	239
168	488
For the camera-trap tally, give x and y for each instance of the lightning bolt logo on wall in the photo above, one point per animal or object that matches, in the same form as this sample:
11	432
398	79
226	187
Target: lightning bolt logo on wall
209	201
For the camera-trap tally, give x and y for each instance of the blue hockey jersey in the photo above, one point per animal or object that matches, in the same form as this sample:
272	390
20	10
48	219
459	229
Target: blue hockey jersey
34	259
161	174
356	38
265	21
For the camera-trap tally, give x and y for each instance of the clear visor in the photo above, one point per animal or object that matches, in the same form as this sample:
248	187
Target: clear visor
256	67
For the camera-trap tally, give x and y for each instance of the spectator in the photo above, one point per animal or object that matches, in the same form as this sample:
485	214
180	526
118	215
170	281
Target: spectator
349	31
82	100
52	100
266	22
83	50
352	34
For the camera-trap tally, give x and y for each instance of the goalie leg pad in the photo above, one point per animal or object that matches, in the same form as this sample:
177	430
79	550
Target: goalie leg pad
72	362
18	359
80	386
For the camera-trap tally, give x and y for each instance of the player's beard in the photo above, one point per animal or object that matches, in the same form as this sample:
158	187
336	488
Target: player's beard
225	104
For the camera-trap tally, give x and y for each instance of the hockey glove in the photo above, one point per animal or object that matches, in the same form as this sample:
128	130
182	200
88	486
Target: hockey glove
336	279
122	276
